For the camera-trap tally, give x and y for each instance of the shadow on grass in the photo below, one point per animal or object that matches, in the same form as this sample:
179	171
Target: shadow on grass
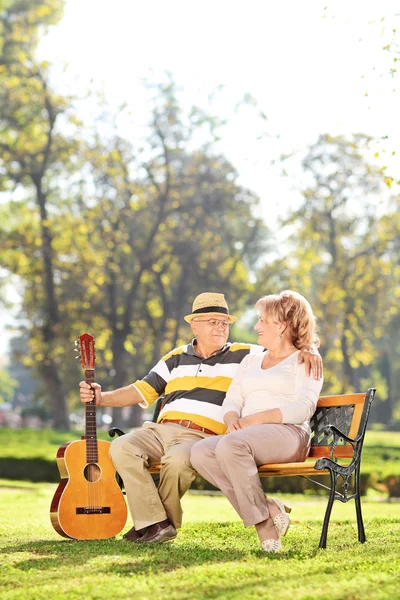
195	546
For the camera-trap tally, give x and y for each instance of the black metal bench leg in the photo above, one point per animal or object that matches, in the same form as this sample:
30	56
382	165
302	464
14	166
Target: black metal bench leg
324	534
360	524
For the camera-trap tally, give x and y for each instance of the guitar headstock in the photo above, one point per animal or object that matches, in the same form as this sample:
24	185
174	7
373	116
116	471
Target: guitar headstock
87	352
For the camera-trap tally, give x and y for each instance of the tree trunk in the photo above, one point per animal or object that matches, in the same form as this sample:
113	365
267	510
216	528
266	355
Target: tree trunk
48	369
348	371
120	380
49	374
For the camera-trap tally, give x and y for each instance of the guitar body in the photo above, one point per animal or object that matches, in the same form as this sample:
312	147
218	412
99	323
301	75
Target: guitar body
88	503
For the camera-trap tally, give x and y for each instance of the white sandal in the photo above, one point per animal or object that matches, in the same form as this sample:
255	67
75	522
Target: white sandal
271	546
282	520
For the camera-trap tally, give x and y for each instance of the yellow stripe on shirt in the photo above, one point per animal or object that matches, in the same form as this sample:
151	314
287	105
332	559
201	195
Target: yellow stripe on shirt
173	352
237	346
147	391
220	384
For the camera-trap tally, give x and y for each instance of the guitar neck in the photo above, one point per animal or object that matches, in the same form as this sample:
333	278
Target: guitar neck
92	455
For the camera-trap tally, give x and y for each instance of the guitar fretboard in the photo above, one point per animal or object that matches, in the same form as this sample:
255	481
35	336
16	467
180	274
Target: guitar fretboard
90	424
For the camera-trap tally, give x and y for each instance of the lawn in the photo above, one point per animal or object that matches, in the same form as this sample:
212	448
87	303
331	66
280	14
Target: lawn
30	454
213	556
381	446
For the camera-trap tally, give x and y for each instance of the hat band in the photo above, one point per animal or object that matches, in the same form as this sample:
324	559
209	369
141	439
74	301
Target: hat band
209	309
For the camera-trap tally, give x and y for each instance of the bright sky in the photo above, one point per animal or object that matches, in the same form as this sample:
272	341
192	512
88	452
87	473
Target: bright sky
313	66
309	64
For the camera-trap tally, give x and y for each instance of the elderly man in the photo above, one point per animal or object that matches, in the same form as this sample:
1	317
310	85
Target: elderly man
194	379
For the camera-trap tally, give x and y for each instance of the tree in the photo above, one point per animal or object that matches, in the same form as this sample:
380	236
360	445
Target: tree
33	153
341	258
152	233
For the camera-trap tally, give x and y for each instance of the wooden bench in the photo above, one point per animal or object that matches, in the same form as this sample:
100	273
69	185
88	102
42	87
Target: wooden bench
337	432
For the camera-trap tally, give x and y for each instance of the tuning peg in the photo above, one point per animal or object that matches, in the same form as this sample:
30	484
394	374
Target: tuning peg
77	357
76	343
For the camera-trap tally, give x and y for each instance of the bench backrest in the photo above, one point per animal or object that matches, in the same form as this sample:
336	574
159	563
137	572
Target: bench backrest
345	412
348	412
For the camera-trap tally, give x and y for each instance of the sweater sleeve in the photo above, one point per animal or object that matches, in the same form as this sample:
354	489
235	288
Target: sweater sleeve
234	399
304	404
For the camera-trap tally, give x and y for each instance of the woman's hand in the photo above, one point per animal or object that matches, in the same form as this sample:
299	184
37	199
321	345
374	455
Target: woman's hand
233	426
231	420
312	362
88	392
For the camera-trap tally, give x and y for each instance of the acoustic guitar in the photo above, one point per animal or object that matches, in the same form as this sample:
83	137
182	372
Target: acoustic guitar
88	503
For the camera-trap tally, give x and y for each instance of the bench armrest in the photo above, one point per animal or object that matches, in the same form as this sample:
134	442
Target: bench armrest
339	434
115	431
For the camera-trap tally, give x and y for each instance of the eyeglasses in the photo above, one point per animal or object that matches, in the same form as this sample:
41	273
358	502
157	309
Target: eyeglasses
213	322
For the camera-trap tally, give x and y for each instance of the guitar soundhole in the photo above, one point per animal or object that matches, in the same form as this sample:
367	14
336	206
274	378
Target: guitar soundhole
92	472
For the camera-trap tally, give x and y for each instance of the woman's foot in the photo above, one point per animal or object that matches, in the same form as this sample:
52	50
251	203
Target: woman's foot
266	530
278	515
268	535
271	546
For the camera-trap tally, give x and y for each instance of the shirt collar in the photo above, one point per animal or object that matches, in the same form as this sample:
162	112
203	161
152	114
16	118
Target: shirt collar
191	349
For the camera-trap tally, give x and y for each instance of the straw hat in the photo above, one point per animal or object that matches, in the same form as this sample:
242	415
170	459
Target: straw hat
211	305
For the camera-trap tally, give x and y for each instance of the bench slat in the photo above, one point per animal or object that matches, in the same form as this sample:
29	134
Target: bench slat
342	400
301	468
345	451
290	469
355	422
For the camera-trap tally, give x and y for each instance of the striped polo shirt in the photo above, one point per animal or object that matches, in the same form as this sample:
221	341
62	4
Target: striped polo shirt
194	388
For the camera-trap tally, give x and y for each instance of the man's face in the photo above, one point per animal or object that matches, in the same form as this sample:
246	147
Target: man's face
212	332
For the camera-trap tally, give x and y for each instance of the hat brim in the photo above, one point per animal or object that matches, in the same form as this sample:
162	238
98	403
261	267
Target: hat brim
229	318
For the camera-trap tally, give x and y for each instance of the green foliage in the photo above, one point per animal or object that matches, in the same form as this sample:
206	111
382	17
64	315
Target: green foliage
343	256
33	153
117	238
7	386
134	239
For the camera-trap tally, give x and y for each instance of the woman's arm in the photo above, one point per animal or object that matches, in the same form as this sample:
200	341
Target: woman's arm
234	400
293	412
306	397
260	418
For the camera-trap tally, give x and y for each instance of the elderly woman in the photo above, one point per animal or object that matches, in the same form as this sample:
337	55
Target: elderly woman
267	411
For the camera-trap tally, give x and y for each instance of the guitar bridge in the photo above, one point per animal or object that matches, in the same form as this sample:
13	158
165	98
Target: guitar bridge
93	510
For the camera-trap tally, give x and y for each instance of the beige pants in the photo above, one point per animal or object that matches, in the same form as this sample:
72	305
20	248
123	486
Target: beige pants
230	463
168	444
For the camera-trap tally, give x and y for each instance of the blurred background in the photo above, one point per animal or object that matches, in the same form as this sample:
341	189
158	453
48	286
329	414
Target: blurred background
150	151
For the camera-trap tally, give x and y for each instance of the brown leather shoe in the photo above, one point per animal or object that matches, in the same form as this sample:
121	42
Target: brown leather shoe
157	534
134	535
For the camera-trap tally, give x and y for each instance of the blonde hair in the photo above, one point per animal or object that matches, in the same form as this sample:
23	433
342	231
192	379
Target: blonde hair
293	309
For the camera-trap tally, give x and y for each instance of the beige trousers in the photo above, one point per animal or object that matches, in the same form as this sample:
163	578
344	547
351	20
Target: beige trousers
168	444
230	463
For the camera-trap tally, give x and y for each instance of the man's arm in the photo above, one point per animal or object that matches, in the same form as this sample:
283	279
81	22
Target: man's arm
312	362
125	396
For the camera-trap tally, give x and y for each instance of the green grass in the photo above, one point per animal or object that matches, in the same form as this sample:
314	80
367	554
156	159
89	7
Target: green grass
34	443
214	556
381	453
31	443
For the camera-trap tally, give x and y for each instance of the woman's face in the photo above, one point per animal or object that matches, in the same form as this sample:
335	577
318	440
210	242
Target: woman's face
268	332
